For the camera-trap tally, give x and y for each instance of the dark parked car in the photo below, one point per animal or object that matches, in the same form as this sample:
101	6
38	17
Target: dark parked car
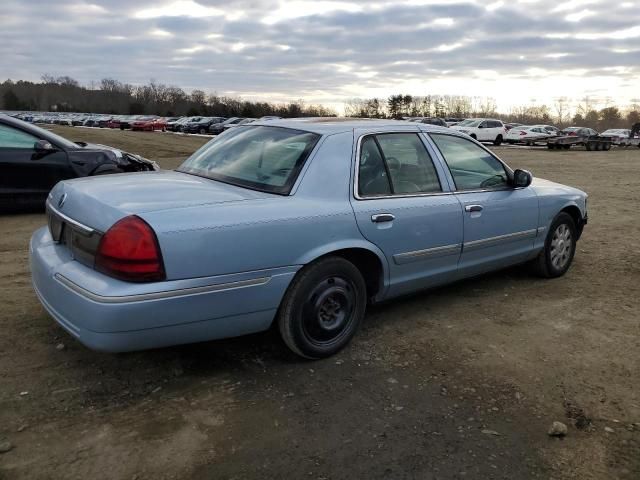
219	127
33	160
244	121
579	132
433	121
180	123
103	122
202	125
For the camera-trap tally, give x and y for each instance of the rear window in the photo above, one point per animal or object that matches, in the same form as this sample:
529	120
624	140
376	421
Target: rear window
262	158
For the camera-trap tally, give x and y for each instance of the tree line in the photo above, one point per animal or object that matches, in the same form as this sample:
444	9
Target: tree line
110	96
563	112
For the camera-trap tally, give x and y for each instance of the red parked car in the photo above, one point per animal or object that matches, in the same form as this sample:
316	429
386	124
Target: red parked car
114	123
149	124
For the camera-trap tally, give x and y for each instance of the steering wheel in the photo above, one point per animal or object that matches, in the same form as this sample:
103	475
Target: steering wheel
491	181
393	163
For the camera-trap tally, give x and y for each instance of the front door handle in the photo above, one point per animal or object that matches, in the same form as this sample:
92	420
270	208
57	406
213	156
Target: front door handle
382	217
473	208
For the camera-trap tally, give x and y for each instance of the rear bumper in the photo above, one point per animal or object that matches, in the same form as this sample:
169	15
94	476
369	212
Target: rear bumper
111	315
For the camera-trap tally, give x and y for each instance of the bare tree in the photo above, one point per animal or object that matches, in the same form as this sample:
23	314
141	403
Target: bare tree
561	107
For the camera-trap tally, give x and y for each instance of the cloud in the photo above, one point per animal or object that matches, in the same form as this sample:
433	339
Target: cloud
326	50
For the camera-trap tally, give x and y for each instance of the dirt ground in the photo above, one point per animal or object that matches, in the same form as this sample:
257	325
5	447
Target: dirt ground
458	382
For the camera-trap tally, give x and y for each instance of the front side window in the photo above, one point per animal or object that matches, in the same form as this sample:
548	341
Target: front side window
261	158
13	138
472	167
396	164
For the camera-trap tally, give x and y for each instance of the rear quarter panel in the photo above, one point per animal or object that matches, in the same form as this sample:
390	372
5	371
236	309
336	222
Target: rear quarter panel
265	233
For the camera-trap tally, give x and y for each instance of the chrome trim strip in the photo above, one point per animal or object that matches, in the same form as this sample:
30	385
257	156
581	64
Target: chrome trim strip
541	229
219	287
75	223
417	255
492	241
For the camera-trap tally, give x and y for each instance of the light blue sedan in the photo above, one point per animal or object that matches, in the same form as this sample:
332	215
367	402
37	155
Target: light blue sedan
298	222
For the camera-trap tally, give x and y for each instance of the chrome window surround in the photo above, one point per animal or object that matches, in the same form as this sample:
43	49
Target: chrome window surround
412	195
417	132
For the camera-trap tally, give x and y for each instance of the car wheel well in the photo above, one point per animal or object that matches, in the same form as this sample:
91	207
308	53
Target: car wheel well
367	262
576	215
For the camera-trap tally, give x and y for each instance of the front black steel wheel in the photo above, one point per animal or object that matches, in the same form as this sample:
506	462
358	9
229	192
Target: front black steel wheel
322	308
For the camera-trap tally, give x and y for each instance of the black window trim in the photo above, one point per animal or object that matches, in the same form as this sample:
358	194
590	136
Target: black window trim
506	167
356	185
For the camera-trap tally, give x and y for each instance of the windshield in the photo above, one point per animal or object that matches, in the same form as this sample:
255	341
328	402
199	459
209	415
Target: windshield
261	158
466	122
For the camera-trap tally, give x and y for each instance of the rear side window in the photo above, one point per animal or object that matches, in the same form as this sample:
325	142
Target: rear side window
396	164
13	138
471	166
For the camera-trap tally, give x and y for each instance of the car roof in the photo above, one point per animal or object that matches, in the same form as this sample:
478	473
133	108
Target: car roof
332	125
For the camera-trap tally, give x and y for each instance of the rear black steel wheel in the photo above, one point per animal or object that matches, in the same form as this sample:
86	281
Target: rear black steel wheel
322	308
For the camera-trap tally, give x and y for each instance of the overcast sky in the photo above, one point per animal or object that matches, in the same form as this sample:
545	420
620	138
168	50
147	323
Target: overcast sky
518	51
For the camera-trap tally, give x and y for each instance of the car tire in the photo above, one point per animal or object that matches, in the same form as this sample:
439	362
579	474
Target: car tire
588	146
559	248
498	140
566	147
202	131
323	308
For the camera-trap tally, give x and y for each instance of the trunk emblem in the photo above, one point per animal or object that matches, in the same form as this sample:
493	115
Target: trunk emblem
62	199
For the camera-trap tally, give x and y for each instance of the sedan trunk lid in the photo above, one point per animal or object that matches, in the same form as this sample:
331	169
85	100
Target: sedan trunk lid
99	202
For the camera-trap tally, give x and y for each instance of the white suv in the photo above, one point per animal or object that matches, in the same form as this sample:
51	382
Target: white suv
483	129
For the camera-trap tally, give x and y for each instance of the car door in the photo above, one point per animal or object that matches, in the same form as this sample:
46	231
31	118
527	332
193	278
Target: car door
500	222
25	171
403	204
485	132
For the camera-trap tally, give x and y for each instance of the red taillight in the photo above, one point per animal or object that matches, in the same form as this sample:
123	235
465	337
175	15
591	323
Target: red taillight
522	132
130	251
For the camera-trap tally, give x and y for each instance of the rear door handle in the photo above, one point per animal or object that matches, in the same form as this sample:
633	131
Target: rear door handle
473	208
382	217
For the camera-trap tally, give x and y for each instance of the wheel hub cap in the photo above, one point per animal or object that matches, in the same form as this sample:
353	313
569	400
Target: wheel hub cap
328	309
561	245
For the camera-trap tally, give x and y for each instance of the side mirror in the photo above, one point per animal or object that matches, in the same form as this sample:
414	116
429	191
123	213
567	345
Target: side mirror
522	178
43	146
480	126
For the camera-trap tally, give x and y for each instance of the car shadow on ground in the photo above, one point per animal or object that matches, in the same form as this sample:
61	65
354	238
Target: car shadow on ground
106	378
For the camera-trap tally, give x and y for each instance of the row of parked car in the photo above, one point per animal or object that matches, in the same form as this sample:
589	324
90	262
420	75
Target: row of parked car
496	131
194	124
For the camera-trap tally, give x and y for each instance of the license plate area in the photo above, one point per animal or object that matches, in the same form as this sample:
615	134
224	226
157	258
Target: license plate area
81	242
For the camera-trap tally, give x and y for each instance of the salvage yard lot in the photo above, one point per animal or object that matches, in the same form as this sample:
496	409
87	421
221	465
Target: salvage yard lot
458	382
